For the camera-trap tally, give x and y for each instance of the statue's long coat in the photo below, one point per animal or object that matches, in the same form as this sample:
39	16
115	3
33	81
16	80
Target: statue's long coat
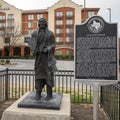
44	63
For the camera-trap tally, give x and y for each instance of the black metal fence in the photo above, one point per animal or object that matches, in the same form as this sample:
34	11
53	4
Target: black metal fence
14	83
110	101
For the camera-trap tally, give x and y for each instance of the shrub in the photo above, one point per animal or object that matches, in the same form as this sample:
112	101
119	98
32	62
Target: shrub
2	61
7	61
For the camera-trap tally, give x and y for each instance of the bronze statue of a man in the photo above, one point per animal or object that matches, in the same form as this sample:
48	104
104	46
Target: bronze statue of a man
43	46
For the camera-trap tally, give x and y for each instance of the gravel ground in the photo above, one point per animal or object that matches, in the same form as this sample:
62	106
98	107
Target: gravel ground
78	111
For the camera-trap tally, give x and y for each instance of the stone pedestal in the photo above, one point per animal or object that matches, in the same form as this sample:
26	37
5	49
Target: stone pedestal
30	101
15	113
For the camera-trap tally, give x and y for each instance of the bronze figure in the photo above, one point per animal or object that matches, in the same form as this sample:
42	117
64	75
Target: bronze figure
43	45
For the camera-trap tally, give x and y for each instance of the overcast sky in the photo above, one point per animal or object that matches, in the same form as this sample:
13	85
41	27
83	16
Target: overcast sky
102	4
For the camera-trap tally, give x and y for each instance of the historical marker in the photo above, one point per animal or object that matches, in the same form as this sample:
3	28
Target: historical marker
96	50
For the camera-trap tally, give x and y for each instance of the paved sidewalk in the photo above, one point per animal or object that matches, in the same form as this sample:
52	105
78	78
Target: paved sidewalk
29	64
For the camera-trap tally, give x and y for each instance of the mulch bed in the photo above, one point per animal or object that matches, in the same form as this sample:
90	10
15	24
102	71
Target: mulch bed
78	111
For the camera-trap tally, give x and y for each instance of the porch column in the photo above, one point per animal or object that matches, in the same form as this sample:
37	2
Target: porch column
22	50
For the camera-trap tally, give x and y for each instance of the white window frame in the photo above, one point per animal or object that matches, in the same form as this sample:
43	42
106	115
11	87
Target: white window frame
10	16
68	39
68	52
58	39
39	16
91	13
10	24
59	31
69	13
2	25
58	52
2	32
59	14
30	25
59	22
2	17
69	30
69	22
30	17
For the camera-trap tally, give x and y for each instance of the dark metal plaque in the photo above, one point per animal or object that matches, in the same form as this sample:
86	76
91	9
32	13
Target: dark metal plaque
96	50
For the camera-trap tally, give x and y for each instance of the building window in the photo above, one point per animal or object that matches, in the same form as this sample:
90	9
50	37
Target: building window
26	51
30	17
2	32
39	16
2	17
68	39
2	25
30	32
91	13
10	16
59	14
59	31
69	13
69	30
30	24
58	52
59	22
68	52
58	40
17	51
10	24
69	22
10	31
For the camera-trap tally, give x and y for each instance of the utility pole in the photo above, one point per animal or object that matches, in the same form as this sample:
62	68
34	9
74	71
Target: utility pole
109	9
84	8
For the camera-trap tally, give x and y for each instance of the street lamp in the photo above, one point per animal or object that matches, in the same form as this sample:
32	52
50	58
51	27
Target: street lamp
109	9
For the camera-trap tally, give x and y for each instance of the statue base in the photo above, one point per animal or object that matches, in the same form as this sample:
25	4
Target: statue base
30	101
16	113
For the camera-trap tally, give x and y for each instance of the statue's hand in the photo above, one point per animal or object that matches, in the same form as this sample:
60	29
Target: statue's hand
45	50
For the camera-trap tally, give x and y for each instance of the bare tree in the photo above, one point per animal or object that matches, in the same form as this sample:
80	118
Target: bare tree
13	39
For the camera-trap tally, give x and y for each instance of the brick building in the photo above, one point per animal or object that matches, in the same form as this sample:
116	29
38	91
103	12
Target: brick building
10	29
61	17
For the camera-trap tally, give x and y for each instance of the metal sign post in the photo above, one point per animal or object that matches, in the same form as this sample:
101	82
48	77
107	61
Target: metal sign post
96	55
95	100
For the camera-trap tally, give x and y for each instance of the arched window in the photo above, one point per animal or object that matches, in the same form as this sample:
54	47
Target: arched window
6	51
27	51
17	51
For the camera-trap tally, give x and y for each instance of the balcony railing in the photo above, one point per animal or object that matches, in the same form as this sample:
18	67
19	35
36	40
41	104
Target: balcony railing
69	25
59	25
59	17
69	42
69	16
2	27
70	34
10	26
59	34
2	20
10	19
59	43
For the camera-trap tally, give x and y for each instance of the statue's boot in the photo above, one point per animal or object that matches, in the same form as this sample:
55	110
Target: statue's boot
38	95
49	93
